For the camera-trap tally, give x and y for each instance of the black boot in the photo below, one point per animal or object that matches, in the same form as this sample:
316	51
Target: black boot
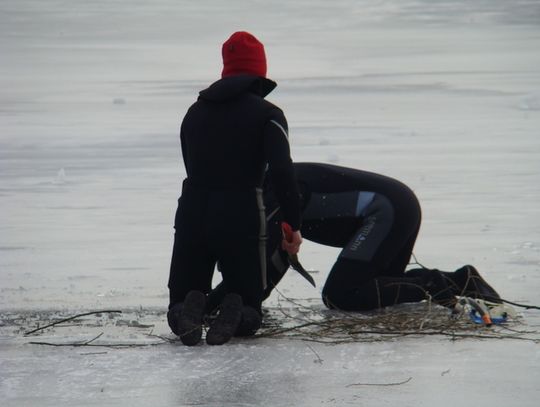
250	323
436	284
186	319
439	290
173	315
227	321
465	281
471	284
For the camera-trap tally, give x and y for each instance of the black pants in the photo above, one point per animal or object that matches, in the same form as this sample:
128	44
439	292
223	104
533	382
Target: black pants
221	227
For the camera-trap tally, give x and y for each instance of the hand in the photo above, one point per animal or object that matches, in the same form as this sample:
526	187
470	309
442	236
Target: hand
291	239
292	246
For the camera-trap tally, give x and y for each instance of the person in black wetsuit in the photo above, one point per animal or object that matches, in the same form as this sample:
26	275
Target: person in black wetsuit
231	139
376	220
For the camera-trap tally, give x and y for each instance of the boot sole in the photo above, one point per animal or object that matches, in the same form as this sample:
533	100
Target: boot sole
191	318
227	321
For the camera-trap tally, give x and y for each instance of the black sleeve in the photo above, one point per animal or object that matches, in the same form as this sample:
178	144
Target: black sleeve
280	168
183	147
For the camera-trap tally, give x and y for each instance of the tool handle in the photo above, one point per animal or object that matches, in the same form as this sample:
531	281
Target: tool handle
287	231
482	311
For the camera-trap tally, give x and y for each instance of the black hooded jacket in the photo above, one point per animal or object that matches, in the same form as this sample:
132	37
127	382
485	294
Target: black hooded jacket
231	136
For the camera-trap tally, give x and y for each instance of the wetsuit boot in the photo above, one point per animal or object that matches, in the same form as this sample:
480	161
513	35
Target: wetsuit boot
186	319
173	315
471	284
465	281
441	289
411	289
250	323
227	321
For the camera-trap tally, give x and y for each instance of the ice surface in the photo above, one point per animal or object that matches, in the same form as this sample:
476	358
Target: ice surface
443	95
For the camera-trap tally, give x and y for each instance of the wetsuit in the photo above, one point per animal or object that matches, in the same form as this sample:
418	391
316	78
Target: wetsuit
231	139
374	218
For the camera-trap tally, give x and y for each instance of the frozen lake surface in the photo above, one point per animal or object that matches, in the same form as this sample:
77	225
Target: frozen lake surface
443	95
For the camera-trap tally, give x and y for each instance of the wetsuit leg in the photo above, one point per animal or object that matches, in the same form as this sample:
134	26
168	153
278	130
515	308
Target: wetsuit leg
356	286
276	266
369	272
242	272
193	262
236	231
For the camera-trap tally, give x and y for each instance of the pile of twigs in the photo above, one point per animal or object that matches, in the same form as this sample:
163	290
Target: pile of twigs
316	324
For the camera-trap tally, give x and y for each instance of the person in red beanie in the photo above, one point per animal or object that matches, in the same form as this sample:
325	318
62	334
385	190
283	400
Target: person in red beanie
231	139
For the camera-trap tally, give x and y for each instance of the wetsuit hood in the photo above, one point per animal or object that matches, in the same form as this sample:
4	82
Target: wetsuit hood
232	86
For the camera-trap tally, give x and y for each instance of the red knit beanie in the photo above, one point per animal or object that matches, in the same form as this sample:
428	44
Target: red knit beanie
243	54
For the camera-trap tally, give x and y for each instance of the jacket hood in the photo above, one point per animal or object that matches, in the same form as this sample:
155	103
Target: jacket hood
233	86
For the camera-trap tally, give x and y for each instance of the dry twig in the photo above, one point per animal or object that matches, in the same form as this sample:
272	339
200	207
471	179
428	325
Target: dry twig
381	384
70	319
